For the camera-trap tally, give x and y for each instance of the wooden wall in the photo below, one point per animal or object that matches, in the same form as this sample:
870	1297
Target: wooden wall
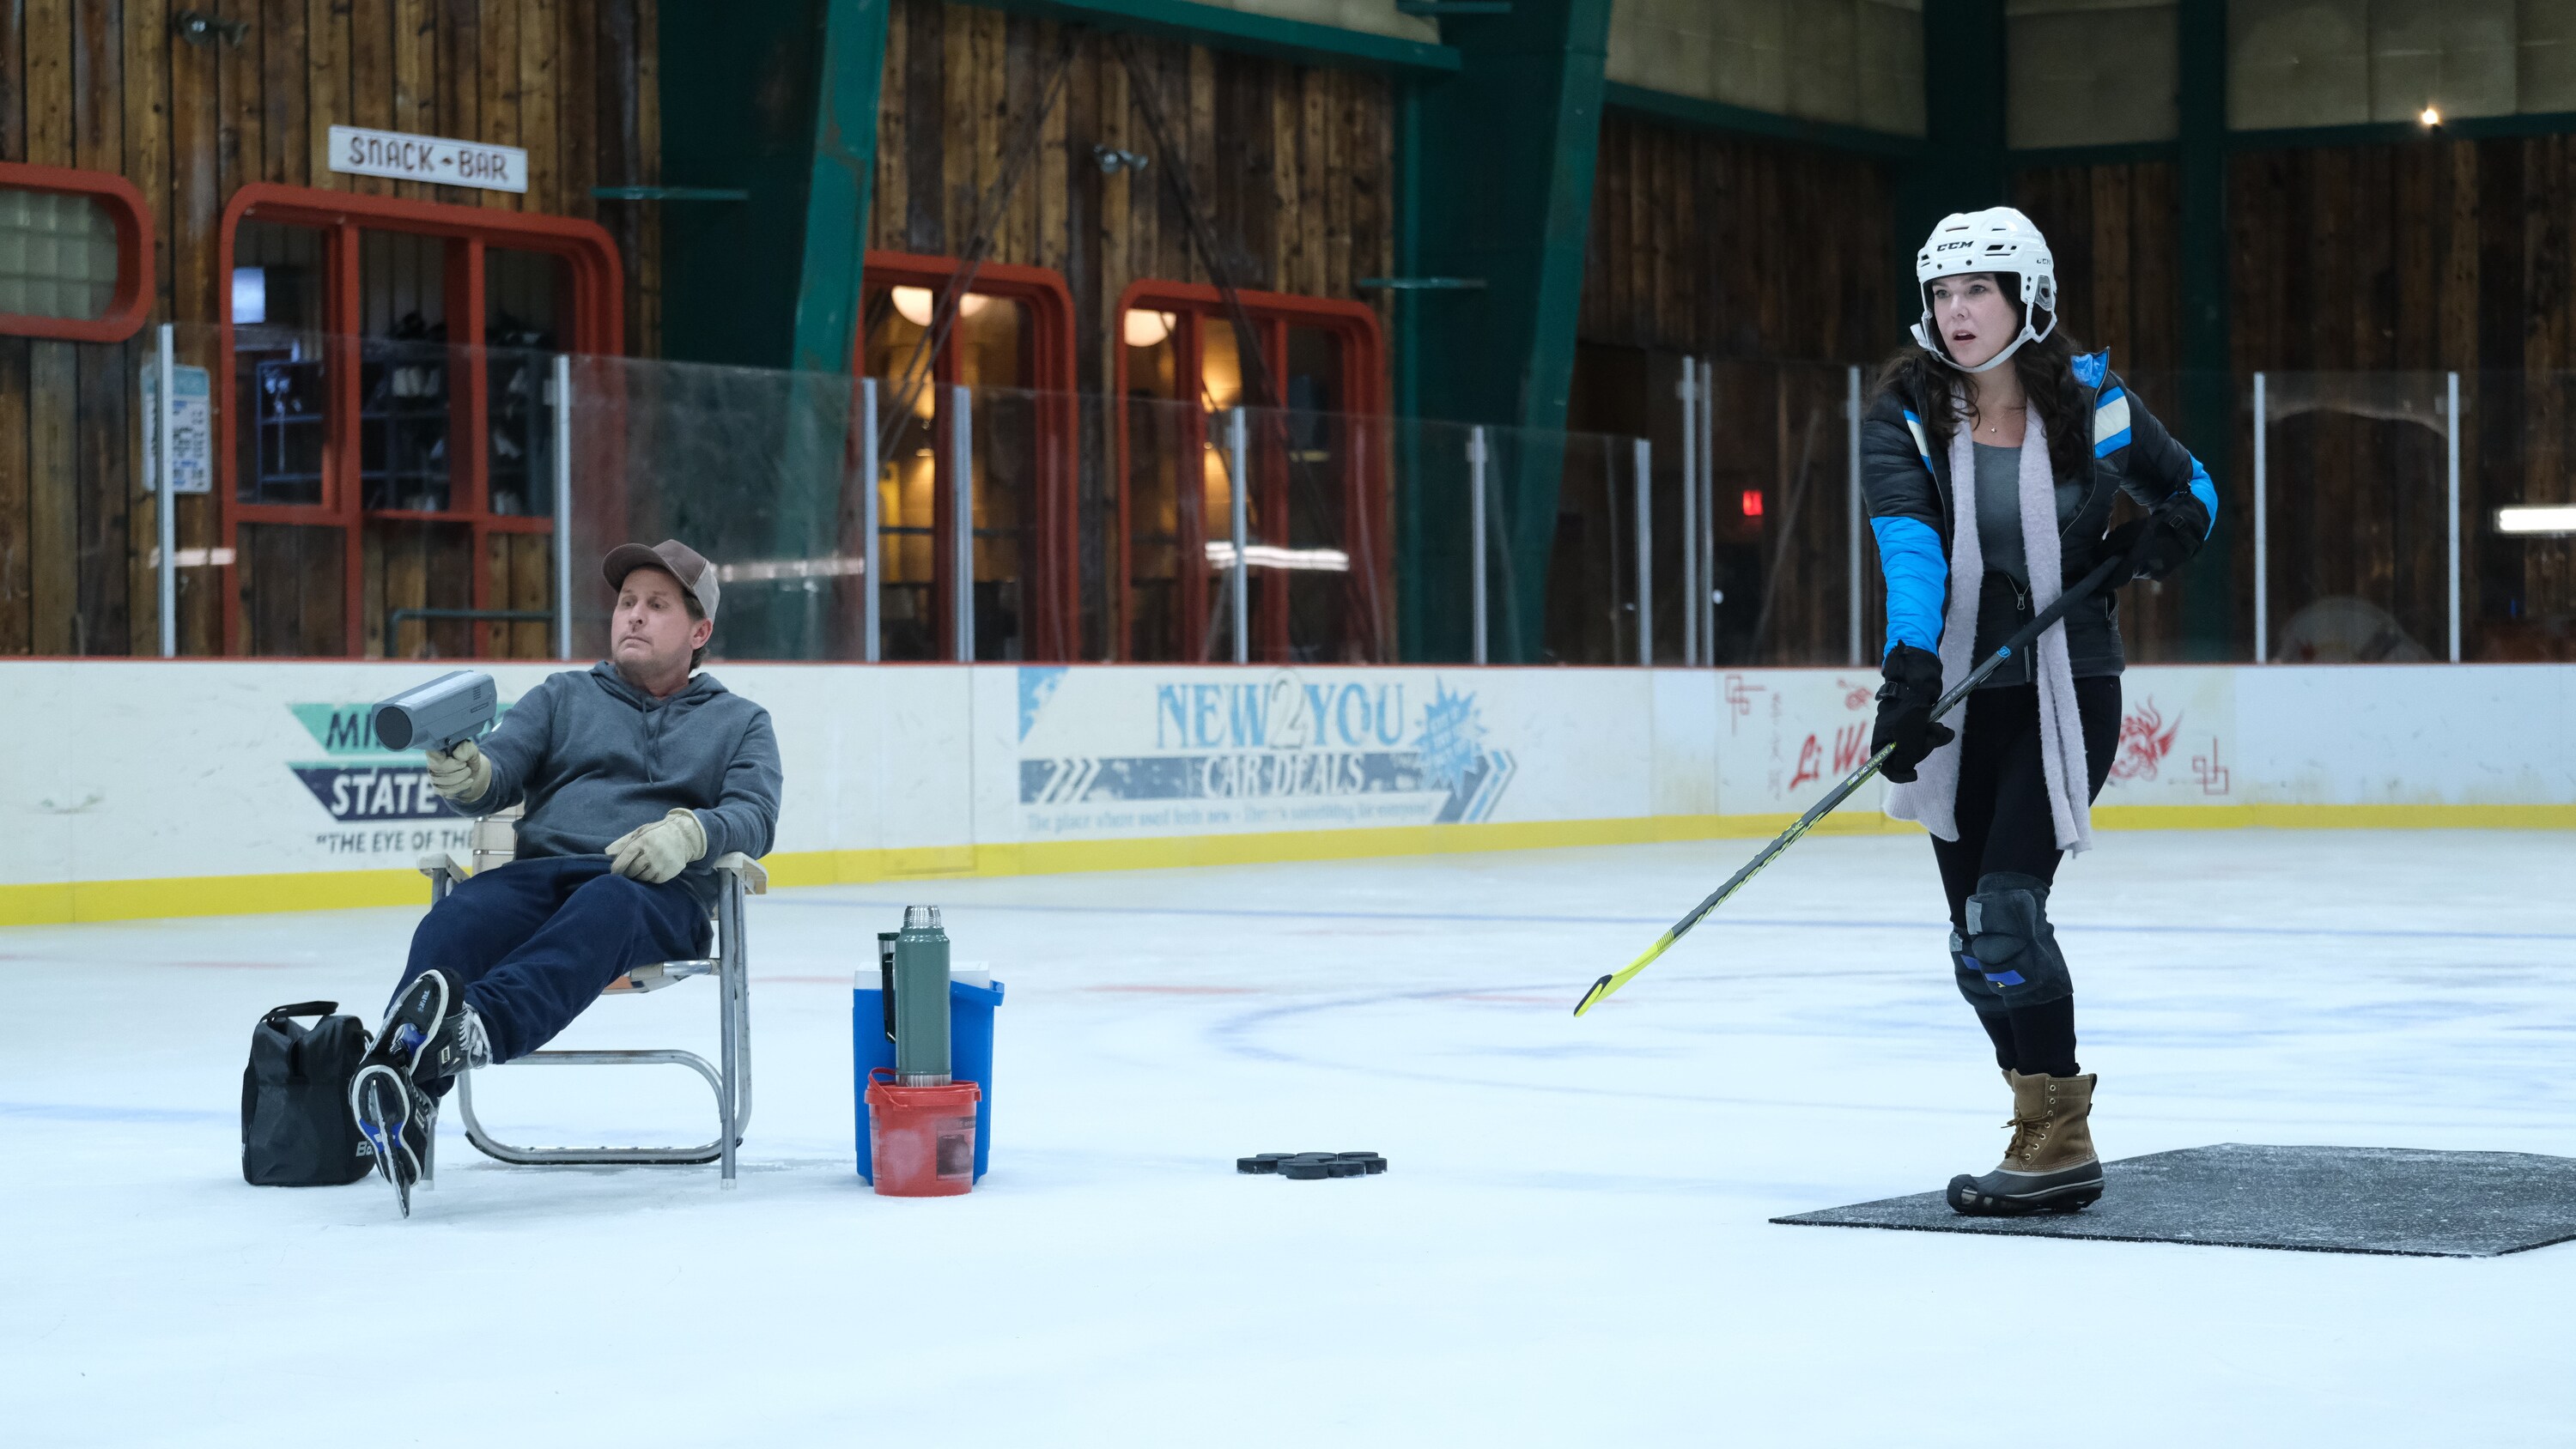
2426	257
2421	259
1773	261
1292	166
2115	232
105	85
1737	248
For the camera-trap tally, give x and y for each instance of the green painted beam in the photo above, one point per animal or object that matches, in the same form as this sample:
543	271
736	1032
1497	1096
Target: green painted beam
2377	133
729	272
777	102
1963	166
851	69
2383	133
2207	417
1705	115
1501	174
1244	31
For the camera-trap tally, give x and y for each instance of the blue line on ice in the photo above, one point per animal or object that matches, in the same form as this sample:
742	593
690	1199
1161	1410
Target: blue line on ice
1786	922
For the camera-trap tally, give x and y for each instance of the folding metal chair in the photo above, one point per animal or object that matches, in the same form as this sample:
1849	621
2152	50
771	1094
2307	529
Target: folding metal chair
494	845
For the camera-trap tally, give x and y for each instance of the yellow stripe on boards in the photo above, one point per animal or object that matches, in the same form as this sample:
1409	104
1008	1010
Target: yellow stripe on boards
54	903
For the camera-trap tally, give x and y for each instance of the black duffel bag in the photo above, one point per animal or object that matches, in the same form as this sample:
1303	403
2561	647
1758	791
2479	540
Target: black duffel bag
296	1128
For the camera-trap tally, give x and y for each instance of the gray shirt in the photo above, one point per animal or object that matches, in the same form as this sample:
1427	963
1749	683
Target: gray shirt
1999	511
593	757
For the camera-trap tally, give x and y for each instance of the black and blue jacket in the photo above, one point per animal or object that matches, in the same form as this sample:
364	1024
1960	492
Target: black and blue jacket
1907	486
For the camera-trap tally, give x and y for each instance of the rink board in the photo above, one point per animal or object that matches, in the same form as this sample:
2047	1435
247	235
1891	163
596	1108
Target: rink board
212	786
2386	1200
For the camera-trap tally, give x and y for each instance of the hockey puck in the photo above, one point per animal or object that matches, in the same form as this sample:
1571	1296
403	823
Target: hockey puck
1308	1166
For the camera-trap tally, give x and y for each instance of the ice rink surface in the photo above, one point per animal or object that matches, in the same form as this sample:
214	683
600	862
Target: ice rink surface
1571	1247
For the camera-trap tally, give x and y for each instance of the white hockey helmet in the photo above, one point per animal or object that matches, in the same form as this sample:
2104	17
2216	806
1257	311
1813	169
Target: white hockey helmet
1997	239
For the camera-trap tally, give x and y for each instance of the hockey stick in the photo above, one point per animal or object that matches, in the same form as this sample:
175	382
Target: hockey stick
2020	640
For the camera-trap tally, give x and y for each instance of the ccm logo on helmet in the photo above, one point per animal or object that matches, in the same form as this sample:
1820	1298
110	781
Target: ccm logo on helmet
1953	246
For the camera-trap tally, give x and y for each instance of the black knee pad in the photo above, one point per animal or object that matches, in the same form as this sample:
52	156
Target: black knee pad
1971	977
2012	943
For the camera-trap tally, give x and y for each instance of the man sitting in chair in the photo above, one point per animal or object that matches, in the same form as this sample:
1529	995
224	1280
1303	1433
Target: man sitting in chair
636	775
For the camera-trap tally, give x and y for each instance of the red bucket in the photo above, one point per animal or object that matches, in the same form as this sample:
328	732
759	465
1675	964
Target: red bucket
921	1140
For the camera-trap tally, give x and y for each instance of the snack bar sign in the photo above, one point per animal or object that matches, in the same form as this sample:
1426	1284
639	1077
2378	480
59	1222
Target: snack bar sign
360	152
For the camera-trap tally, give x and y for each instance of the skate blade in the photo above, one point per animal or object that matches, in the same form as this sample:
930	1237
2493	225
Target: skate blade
368	1093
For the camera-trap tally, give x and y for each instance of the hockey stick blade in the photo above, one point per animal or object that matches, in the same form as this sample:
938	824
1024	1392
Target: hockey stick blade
2020	640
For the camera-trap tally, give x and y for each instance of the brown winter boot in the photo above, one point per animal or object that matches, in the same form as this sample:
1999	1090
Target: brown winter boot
2050	1165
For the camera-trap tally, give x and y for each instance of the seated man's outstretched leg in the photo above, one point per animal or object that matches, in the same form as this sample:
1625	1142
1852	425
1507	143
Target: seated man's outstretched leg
430	1031
607	926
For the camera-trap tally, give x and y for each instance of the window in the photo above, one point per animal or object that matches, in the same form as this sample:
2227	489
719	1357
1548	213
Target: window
1010	343
75	254
1316	531
385	423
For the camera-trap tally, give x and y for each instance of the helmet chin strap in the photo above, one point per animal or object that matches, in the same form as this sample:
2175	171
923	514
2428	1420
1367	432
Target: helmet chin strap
1990	364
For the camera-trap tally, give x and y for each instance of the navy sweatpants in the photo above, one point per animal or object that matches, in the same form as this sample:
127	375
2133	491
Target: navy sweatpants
537	940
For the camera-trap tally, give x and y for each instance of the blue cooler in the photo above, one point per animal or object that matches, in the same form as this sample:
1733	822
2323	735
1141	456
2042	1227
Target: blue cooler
970	1054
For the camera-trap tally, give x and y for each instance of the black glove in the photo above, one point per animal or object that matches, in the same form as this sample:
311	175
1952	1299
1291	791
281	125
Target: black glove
2159	543
1905	711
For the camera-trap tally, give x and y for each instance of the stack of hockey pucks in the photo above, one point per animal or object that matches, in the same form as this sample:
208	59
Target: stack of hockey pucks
1306	1166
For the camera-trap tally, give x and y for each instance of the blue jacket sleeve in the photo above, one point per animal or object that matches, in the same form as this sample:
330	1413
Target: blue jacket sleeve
1905	516
1909	559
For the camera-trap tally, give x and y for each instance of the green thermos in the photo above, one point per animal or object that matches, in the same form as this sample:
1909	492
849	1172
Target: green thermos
921	1000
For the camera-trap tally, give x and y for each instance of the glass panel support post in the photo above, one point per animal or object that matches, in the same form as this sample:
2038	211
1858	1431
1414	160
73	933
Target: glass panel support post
1690	395
2451	445
166	509
961	482
2262	523
1852	504
870	523
1238	584
1645	552
1476	534
563	505
1704	602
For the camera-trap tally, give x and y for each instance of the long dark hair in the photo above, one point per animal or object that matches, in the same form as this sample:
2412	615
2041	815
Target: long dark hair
2047	372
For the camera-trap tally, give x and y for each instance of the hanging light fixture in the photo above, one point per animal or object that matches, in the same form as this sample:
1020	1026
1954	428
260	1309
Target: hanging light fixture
1148	329
916	304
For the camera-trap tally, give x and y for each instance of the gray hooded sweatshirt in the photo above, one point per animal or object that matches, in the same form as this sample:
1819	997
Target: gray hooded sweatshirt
593	757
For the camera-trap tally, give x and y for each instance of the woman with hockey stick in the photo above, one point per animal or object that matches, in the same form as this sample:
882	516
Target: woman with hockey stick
1991	458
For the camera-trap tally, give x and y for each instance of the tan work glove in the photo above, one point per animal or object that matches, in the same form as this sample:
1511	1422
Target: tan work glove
654	853
461	774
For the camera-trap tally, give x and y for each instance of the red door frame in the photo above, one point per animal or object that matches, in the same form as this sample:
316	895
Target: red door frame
597	328
1052	586
132	300
1355	326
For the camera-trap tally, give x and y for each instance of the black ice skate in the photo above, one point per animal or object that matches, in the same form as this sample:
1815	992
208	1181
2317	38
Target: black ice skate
424	1041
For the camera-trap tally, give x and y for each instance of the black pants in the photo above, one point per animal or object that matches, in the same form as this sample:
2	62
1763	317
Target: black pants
537	940
2004	825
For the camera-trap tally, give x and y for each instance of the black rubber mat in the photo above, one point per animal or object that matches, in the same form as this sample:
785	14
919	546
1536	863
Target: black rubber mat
2307	1199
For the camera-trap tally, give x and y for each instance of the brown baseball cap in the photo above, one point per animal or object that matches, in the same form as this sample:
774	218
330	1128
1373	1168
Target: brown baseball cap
672	557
